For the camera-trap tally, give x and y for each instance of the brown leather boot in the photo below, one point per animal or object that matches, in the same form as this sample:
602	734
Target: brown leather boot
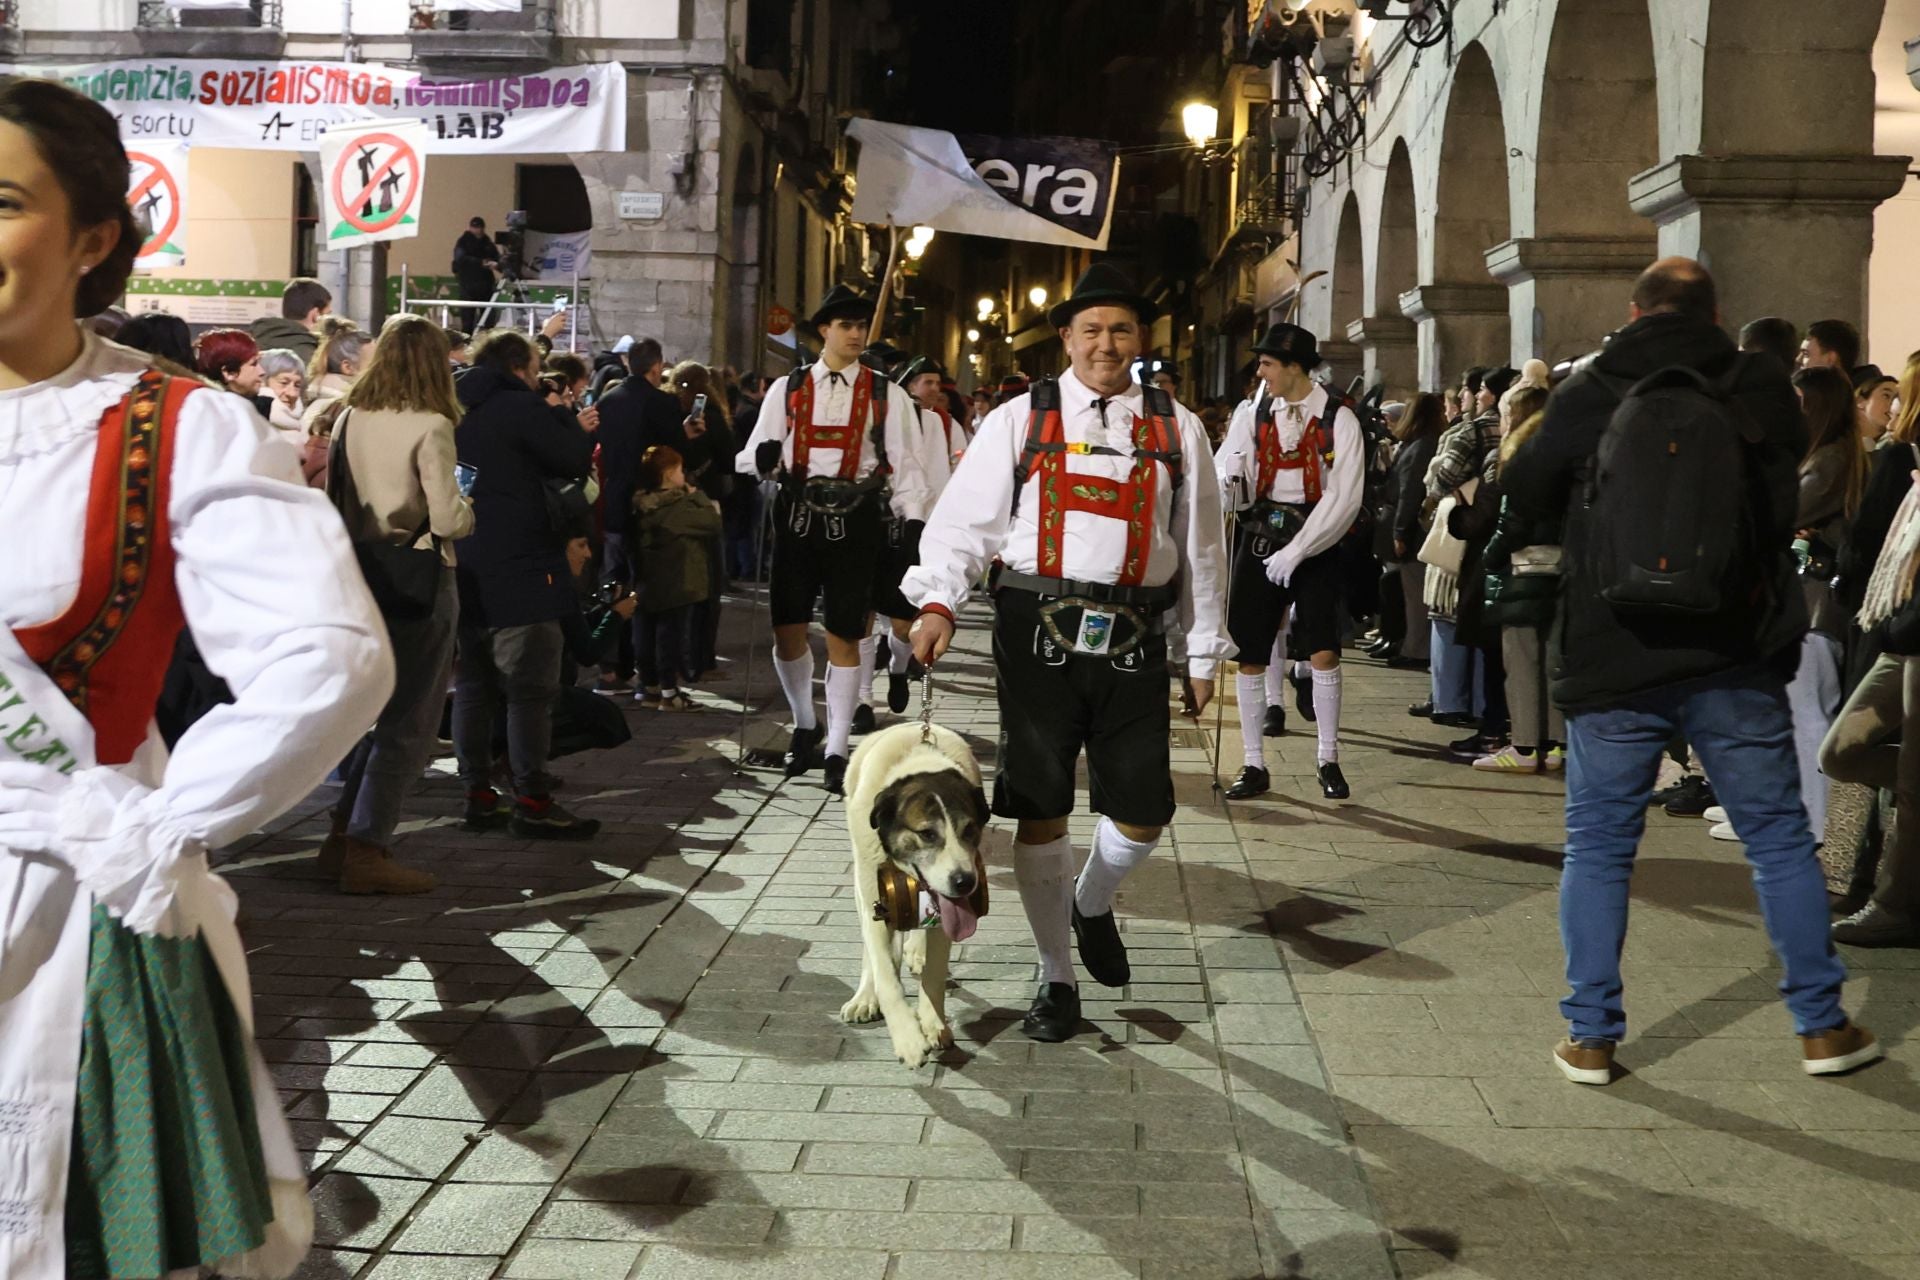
368	868
333	854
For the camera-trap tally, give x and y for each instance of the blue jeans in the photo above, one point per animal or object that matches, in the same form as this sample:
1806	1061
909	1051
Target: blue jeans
1458	675
1739	726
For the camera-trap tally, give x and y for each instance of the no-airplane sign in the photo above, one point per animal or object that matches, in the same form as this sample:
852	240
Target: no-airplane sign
375	174
157	192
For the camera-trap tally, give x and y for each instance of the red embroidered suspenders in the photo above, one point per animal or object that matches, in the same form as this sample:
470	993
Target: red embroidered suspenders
1156	439
1309	456
808	436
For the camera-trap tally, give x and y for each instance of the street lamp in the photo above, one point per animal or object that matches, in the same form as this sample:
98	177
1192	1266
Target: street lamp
973	335
1037	295
1200	120
917	242
986	306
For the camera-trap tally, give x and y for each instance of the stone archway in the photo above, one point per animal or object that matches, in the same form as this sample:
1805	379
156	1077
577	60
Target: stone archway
1778	197
1385	335
1599	126
1349	293
1461	313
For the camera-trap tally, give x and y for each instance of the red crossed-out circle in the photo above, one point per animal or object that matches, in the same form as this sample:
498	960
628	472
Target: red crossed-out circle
161	177
403	153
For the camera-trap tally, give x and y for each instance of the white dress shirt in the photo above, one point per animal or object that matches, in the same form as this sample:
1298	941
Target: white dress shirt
1239	468
832	405
970	525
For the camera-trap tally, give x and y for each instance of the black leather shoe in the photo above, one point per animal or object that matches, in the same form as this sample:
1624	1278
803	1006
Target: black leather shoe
1421	710
1400	663
1251	782
1101	951
1456	719
863	719
834	776
1275	725
1054	1015
898	691
1303	696
800	752
1333	783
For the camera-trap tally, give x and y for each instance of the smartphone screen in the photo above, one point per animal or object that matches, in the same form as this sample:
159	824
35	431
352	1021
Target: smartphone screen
464	474
700	406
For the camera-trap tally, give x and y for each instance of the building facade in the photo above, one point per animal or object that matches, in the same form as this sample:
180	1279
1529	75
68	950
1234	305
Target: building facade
723	202
1505	185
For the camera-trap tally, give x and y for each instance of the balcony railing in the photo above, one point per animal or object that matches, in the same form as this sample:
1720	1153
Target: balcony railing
462	38
9	15
156	15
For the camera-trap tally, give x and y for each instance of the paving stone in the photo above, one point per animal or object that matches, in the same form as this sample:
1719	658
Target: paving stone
467	1218
917	1265
666	1263
409	1147
356	1211
686	1224
573	1260
841	1228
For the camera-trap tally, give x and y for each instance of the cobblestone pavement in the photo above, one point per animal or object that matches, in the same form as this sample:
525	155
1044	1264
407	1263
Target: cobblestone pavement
624	1059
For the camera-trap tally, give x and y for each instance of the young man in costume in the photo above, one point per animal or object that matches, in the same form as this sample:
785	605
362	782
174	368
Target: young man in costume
1098	498
1291	465
840	438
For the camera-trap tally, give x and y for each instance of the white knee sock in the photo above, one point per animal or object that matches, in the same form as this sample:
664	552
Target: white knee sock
796	681
1044	873
868	673
1253	717
1326	712
1277	671
1113	855
843	695
898	657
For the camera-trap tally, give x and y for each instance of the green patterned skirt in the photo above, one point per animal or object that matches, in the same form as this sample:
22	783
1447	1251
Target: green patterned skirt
167	1171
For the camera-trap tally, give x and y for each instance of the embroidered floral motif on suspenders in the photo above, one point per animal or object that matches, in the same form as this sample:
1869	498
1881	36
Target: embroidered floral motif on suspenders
134	546
1309	456
1132	500
807	436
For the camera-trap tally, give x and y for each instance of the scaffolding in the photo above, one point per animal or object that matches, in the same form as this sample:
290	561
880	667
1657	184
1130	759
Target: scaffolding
518	310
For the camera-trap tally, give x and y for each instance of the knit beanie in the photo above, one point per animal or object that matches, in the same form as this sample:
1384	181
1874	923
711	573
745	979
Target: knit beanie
1498	381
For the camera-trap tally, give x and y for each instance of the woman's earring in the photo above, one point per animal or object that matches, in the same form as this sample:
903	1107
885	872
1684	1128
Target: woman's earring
85	267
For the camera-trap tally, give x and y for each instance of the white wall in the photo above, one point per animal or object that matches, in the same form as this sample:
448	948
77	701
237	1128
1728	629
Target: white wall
458	187
240	208
322	17
1893	281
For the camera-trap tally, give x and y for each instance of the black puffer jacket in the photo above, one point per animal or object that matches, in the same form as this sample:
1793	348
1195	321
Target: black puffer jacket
1602	659
513	570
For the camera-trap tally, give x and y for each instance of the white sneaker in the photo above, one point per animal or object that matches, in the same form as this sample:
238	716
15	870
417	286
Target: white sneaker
1715	814
1508	759
1723	831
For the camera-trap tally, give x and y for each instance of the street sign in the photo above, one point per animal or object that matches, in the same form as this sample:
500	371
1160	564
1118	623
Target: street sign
375	174
779	321
157	191
642	206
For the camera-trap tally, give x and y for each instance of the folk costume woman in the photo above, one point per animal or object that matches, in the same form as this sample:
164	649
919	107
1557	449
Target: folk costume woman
140	1135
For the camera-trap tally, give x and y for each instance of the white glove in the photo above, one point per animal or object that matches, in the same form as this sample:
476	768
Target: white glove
1280	567
93	821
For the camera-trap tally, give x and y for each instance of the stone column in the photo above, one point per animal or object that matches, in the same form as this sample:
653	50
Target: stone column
1458	325
1783	235
1392	349
1343	360
1566	293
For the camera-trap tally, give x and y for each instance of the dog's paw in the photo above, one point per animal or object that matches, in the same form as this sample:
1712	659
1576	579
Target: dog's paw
914	951
864	1007
935	1027
911	1046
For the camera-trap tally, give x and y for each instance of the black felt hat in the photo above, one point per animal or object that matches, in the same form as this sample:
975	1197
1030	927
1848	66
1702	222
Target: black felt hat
1102	285
841	303
919	365
1153	366
1291	343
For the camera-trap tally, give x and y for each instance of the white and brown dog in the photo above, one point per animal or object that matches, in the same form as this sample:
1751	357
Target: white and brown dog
918	807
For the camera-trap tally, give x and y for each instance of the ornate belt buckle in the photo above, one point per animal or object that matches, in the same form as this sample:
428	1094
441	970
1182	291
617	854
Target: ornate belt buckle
1050	611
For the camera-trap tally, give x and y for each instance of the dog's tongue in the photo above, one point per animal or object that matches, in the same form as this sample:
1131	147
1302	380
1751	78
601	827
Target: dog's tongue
957	918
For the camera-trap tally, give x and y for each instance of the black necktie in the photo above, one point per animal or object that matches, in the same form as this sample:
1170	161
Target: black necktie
1100	407
834	377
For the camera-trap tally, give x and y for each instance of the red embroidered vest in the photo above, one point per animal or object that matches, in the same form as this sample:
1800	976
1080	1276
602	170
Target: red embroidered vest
1156	439
108	652
808	436
1310	456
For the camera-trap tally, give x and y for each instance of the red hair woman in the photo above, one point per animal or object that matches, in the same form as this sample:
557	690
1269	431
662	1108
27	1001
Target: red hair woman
230	359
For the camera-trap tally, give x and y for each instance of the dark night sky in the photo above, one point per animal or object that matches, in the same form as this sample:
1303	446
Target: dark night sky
961	61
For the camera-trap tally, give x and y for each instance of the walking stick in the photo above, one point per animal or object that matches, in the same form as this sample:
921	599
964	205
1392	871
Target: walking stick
761	536
1220	685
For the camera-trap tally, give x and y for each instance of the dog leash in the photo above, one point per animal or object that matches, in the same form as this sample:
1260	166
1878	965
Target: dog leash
926	705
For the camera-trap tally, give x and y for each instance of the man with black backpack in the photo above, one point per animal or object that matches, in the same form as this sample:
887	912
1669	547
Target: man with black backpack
1674	458
1097	498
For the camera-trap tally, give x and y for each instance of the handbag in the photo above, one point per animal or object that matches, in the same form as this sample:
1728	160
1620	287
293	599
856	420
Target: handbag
1541	561
403	577
1441	549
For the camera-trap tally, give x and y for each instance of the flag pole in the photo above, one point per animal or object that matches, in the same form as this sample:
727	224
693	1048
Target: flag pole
886	284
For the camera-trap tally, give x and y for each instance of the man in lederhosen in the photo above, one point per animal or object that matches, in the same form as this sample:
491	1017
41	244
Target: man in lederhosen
1291	465
840	437
1098	497
933	437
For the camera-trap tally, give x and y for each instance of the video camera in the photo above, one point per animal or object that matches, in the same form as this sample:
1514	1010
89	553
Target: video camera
511	241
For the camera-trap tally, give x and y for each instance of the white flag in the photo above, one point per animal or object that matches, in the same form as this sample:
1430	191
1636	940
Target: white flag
374	177
157	192
478	6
